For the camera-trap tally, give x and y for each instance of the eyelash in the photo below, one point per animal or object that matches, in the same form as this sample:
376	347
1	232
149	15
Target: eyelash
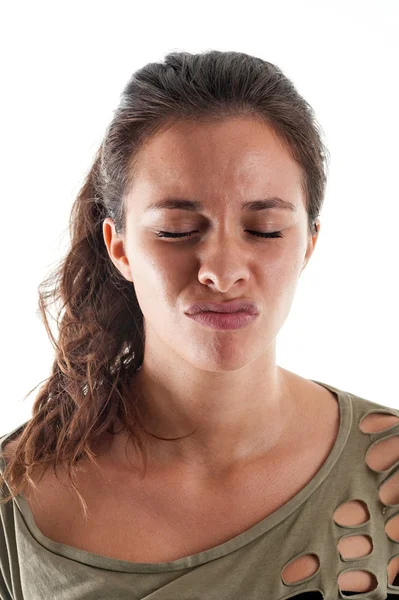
170	234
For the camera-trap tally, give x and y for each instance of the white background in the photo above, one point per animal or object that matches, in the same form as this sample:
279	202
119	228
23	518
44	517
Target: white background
64	65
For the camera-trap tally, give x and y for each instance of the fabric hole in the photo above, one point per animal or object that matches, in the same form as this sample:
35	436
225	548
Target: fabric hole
393	570
355	546
356	581
389	491
383	454
374	422
392	527
300	568
351	513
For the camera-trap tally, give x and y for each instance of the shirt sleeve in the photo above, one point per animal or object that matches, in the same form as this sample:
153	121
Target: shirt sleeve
6	513
5	570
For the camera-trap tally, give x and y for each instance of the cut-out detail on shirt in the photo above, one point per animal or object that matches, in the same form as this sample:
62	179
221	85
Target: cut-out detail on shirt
351	513
383	454
351	547
388	490
393	572
301	568
377	421
358	580
392	527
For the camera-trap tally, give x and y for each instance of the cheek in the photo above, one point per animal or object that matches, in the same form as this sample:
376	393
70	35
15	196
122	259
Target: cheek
156	278
281	265
289	269
280	280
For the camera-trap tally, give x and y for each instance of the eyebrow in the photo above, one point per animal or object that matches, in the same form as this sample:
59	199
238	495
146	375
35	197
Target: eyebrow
195	206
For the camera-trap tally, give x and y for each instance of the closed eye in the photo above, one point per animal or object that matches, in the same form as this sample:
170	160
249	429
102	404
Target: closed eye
171	234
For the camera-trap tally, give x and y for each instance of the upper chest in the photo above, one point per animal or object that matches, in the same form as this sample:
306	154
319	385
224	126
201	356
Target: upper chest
165	520
160	519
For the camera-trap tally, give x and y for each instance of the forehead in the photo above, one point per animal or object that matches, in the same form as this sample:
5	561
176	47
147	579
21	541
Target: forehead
234	156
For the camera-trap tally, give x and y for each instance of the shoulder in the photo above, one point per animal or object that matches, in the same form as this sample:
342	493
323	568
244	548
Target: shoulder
8	446
372	416
9	442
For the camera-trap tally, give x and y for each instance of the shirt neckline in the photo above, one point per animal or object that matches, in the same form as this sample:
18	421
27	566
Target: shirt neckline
193	560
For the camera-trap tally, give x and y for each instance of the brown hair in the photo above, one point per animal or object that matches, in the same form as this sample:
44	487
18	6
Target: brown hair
100	324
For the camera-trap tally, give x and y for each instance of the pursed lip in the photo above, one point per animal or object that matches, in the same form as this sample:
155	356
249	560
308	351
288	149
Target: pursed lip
231	306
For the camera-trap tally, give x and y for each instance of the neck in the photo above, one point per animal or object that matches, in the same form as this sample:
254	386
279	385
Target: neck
224	420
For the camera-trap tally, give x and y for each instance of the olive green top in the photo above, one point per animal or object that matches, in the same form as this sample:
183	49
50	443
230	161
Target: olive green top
250	565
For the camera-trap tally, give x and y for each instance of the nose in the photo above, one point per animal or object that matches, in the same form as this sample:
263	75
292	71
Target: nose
223	264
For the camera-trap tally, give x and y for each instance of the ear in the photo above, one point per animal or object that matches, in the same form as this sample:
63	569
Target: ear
311	243
116	248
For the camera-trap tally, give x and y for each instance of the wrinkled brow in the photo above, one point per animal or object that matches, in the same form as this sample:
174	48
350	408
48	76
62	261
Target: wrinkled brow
195	206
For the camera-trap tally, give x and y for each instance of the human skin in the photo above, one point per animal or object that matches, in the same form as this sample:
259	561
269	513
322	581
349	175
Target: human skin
223	385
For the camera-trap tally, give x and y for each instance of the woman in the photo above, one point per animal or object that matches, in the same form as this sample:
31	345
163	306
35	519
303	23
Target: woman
203	468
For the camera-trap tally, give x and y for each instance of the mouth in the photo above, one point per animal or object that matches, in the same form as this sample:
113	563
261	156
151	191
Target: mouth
230	307
228	320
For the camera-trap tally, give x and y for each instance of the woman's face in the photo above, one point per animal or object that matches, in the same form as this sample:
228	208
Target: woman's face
220	166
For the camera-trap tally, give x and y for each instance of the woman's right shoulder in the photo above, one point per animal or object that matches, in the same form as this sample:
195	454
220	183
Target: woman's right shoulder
8	445
9	441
